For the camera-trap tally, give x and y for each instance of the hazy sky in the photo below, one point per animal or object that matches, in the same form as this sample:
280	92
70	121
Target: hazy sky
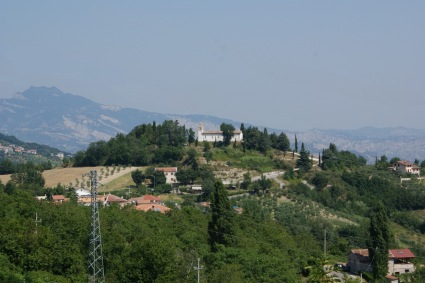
292	65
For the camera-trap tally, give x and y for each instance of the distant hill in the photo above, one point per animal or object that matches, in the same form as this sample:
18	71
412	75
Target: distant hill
46	115
69	122
370	142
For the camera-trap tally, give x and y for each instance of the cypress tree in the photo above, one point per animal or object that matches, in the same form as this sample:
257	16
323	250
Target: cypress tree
296	144
304	163
379	241
221	228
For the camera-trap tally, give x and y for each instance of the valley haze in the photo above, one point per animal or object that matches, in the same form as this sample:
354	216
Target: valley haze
70	123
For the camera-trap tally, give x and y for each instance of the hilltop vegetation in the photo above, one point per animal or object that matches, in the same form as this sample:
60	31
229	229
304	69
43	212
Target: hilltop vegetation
277	236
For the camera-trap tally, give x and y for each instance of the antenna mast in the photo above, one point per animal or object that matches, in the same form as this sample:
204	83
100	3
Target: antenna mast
96	270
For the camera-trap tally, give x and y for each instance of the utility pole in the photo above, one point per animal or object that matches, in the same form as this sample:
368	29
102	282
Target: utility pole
36	222
198	268
96	270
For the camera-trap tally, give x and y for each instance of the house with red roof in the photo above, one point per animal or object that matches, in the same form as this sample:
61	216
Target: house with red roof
59	199
110	199
403	166
399	261
170	174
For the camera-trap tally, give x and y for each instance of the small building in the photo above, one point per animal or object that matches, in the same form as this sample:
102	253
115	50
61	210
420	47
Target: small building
399	261
403	166
110	199
41	197
32	151
216	135
197	189
86	201
358	261
82	192
59	199
170	174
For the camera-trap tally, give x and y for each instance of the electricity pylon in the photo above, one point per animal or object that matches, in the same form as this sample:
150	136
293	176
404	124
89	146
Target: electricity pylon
96	270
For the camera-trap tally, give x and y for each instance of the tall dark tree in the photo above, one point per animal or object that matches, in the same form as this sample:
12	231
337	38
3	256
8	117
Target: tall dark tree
296	144
221	228
227	130
320	160
242	128
304	163
379	240
191	136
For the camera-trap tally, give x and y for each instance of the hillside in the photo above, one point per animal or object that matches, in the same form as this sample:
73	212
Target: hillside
263	221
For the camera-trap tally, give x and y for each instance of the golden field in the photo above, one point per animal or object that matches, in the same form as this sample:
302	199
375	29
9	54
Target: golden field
78	177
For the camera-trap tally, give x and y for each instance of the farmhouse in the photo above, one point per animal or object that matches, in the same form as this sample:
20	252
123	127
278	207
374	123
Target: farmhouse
403	166
110	199
170	174
216	135
399	261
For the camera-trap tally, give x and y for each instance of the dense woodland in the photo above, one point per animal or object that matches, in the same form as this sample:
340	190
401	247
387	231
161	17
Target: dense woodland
278	237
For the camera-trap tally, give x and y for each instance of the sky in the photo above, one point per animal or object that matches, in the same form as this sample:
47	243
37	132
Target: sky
291	65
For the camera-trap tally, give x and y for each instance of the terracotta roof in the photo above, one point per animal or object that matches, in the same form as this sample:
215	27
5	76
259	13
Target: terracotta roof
401	253
58	197
114	198
150	198
404	162
363	254
166	169
152	207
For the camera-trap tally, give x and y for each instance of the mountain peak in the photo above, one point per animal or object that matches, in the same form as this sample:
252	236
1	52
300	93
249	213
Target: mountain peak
42	91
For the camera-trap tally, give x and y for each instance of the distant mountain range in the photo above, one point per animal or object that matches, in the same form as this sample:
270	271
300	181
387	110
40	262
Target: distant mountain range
70	122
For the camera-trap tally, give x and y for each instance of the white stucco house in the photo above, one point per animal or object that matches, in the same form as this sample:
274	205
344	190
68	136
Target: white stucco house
403	166
216	135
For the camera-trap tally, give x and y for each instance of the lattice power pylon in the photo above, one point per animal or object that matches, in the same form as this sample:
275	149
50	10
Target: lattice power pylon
96	270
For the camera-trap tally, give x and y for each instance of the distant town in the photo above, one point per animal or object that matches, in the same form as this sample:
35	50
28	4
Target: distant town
15	149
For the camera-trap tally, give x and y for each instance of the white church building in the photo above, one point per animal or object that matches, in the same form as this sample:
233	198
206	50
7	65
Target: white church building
216	135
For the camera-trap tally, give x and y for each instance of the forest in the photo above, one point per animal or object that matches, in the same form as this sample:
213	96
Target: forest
276	236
